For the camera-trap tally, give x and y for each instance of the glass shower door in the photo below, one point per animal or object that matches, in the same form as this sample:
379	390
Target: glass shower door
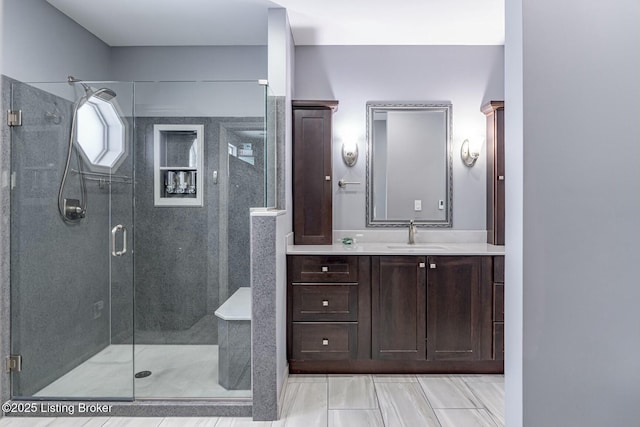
71	248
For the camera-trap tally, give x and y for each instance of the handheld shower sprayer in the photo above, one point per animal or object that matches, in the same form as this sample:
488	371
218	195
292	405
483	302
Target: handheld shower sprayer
73	210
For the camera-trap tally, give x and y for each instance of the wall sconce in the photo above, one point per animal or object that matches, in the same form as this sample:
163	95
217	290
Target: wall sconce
469	152
350	153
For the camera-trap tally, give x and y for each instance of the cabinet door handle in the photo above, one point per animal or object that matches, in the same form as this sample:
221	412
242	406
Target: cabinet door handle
325	269
421	265
432	266
325	341
325	303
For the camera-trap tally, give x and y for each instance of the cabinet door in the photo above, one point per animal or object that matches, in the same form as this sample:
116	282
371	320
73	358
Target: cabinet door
398	302
312	205
459	324
495	171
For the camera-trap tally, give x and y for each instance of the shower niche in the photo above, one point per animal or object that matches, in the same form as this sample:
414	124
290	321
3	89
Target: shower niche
178	164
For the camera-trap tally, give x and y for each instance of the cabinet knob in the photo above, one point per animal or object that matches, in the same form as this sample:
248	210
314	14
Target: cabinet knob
432	266
500	177
325	303
325	269
327	178
325	341
421	265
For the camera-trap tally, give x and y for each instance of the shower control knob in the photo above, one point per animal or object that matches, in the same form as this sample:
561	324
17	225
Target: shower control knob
73	210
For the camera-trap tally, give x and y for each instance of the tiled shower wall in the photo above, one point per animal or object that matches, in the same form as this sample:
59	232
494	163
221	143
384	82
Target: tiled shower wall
187	262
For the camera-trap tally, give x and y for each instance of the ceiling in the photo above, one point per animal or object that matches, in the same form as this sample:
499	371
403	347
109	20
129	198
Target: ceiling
313	22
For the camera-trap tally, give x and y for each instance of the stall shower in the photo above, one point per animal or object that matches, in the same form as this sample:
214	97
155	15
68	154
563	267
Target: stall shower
130	237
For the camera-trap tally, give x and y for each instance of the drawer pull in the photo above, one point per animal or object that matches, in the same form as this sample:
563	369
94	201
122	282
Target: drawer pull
325	269
325	341
432	266
325	303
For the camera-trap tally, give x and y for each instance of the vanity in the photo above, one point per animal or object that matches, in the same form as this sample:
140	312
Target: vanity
382	305
381	308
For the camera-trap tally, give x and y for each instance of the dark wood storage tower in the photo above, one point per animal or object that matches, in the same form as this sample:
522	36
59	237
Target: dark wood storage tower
312	186
494	111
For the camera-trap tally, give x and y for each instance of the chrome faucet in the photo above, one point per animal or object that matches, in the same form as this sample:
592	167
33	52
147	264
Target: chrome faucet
412	232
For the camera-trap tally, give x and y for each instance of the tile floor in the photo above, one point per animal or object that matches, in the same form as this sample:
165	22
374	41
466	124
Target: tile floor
349	401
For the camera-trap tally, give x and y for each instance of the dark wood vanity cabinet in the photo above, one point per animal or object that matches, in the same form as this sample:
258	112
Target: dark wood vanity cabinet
312	172
398	301
494	111
394	314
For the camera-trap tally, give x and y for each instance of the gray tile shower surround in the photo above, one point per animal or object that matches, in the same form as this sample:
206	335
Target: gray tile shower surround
234	354
37	103
177	249
263	266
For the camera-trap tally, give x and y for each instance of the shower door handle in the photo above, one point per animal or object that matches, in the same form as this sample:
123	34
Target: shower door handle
114	231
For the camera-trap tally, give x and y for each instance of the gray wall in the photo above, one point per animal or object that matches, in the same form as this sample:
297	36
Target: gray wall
514	214
43	44
581	200
467	76
188	63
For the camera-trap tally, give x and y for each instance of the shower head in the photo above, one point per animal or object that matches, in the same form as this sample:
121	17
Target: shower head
104	94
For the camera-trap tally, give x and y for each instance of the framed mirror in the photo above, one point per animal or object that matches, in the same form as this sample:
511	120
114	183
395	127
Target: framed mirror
409	164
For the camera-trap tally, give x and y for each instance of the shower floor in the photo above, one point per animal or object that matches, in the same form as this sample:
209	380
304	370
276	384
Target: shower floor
177	371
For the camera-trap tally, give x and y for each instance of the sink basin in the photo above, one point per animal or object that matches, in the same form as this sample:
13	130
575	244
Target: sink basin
417	247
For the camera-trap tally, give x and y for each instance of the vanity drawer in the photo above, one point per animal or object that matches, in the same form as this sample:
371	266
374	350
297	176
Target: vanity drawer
321	268
324	341
329	302
498	302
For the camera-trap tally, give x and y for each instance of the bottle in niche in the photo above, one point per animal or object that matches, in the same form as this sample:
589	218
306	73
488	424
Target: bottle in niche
192	182
182	182
170	183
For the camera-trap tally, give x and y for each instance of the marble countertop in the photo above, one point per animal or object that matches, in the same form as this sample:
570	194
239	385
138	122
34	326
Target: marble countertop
379	248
